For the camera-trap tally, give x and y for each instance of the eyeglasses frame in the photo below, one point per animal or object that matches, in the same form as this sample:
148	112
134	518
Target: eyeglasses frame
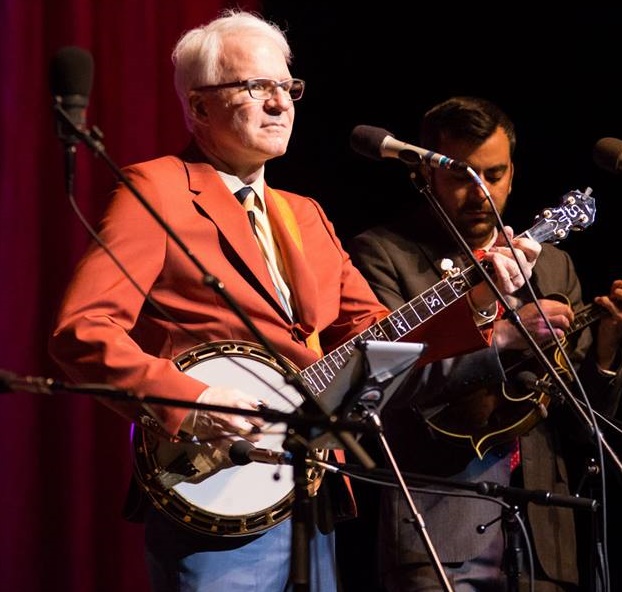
247	85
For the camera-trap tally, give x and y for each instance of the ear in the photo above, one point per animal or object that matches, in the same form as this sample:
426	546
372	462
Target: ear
197	106
511	177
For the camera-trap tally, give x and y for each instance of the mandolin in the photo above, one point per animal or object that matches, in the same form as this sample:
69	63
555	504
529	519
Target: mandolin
488	417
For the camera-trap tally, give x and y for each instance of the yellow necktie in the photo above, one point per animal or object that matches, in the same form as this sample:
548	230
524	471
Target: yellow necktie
259	221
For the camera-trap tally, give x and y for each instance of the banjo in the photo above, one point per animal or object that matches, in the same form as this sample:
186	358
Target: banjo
197	485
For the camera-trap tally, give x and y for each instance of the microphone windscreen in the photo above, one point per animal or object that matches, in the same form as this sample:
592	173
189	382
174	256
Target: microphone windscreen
71	72
238	452
527	379
367	140
607	154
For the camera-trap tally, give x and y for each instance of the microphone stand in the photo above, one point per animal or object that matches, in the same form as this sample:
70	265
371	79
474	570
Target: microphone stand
597	560
94	141
491	489
417	519
12	383
302	514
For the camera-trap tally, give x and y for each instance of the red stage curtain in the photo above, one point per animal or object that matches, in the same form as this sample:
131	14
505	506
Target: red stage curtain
64	458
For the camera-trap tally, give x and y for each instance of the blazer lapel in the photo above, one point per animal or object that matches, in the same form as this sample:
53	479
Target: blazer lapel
217	203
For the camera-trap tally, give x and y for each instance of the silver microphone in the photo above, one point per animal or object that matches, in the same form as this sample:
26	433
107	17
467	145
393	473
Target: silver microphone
377	143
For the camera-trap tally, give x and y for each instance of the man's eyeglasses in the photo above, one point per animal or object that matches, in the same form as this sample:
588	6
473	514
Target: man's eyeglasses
263	89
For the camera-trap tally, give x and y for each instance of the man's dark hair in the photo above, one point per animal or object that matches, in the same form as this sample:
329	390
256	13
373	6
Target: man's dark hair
464	118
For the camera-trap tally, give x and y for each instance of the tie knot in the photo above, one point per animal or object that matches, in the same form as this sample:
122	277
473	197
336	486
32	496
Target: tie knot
242	194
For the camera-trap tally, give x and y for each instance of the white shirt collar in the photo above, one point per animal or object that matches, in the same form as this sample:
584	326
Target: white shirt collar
234	183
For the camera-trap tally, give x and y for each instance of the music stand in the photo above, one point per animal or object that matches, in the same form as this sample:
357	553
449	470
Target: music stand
372	375
369	378
359	383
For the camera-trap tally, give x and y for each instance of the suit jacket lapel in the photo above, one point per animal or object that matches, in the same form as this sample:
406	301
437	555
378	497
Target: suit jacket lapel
216	202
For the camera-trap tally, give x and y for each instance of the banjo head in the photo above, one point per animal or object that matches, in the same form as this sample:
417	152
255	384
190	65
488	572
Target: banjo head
203	490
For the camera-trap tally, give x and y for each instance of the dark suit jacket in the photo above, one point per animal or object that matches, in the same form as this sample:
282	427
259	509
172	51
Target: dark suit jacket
399	267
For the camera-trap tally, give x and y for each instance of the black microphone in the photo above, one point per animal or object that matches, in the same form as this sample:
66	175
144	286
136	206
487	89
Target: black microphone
40	385
12	383
71	79
378	143
242	452
537	496
531	382
607	154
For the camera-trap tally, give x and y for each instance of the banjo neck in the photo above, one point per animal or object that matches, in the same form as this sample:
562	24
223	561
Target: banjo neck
576	212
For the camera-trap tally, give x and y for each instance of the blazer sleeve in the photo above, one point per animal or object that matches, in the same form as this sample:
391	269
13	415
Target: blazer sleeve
92	340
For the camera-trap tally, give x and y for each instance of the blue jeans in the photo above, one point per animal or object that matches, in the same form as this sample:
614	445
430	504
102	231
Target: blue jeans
180	561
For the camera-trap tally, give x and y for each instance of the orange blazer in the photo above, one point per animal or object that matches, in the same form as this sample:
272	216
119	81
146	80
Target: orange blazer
107	332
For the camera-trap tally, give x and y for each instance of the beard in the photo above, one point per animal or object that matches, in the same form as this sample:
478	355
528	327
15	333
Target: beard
476	226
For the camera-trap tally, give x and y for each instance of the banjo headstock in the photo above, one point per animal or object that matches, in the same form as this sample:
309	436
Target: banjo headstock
577	211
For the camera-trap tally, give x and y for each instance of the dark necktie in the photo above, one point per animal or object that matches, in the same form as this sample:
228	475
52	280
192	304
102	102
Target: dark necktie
242	195
261	227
